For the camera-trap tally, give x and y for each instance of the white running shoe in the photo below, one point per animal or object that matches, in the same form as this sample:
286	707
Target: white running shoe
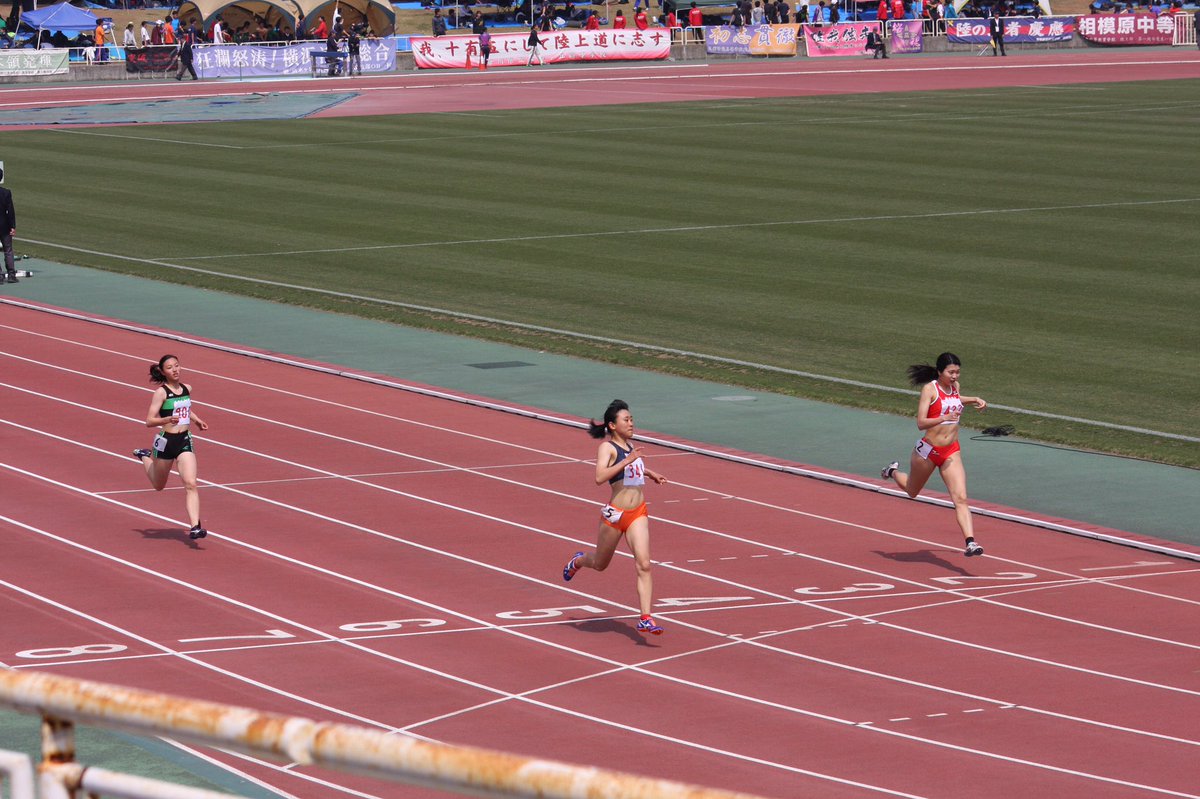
887	471
973	549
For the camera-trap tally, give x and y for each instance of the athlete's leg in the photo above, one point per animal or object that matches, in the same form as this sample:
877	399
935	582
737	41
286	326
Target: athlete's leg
919	471
638	538
955	478
185	464
157	471
606	544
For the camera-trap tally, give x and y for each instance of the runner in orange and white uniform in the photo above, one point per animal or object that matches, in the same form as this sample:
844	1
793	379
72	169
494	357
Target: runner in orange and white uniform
938	413
620	463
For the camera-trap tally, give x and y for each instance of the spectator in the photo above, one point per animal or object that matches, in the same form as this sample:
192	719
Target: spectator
168	34
950	13
640	20
619	21
593	21
695	17
146	33
130	37
784	12
156	35
671	21
477	23
98	41
757	17
535	46
897	9
217	34
320	30
439	23
485	48
835	14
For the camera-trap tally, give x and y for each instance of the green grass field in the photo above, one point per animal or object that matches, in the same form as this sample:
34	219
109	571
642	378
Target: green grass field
1048	236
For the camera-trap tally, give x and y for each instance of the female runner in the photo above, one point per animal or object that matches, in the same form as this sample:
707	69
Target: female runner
171	410
620	463
938	412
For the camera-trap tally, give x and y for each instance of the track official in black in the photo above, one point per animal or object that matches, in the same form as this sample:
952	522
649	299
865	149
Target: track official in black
996	28
8	226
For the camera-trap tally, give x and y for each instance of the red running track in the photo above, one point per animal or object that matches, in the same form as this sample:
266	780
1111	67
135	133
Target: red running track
445	91
393	560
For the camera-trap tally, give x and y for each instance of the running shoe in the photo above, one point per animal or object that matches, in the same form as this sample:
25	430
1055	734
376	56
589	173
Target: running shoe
142	453
973	549
572	566
648	626
887	471
197	532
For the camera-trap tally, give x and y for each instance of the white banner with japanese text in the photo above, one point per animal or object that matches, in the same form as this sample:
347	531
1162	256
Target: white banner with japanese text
33	62
514	49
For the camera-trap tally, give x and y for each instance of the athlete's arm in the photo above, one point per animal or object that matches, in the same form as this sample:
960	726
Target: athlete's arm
155	418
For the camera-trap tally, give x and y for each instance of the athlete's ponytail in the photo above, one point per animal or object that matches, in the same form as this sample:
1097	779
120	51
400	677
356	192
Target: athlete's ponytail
156	372
600	429
921	373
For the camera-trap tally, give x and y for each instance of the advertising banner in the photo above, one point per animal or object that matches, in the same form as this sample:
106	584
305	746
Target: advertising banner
33	62
513	49
1017	30
907	36
751	40
242	60
151	59
845	38
1128	29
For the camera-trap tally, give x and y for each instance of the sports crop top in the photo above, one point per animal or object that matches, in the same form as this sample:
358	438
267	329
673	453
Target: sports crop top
178	405
634	474
945	402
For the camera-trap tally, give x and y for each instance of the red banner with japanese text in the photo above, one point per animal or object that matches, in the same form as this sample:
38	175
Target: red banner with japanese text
1127	29
514	49
845	38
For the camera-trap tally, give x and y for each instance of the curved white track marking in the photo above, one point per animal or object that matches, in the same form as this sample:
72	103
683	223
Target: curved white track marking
426	391
523	697
783	597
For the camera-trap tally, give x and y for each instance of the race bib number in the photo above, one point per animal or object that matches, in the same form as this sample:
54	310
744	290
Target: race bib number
923	448
183	410
635	473
611	515
160	443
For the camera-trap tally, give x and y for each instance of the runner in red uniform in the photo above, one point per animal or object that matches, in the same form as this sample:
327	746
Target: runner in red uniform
938	412
620	464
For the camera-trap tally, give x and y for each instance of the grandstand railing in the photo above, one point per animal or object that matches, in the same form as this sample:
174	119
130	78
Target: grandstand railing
63	702
1185	32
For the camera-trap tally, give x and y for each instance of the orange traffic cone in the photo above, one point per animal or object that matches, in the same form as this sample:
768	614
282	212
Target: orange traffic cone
468	59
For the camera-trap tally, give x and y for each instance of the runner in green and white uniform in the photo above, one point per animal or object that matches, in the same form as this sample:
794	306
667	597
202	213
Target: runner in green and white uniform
171	411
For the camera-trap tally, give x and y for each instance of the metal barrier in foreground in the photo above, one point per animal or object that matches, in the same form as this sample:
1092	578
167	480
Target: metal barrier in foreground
62	702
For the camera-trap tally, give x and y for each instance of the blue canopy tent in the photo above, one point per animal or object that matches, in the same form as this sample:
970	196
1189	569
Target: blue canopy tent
59	17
